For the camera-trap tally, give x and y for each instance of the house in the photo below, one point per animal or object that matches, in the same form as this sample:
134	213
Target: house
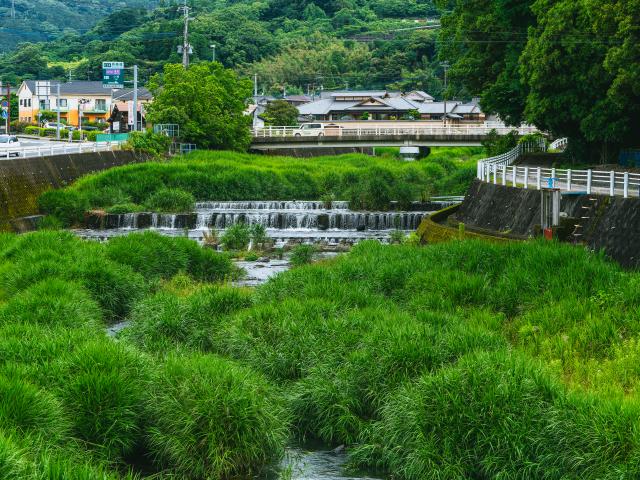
386	105
85	100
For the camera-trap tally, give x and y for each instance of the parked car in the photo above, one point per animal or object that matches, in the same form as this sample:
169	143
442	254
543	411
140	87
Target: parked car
62	126
309	130
9	146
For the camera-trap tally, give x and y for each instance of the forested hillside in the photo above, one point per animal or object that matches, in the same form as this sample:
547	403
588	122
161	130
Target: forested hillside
41	20
337	43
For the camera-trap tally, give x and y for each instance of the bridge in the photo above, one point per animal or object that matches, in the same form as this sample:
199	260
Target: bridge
270	138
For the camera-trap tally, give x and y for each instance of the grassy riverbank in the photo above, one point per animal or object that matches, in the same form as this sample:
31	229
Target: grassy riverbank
460	360
367	182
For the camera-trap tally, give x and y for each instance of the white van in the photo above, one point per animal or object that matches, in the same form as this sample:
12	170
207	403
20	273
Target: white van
9	146
317	130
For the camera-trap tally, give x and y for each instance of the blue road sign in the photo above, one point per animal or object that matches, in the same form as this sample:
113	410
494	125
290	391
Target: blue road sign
5	114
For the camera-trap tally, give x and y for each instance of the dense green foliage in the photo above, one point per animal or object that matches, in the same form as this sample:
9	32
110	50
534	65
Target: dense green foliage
207	101
301	44
77	405
457	360
280	113
367	182
566	66
446	361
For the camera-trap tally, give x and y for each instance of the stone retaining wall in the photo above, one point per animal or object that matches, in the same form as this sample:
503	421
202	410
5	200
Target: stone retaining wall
22	180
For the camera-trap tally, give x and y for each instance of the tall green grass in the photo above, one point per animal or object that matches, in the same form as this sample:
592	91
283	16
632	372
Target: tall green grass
213	419
461	360
367	182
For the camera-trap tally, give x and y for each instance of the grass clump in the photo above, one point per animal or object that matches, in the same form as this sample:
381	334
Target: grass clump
213	419
171	200
236	237
302	254
53	302
156	256
29	410
103	385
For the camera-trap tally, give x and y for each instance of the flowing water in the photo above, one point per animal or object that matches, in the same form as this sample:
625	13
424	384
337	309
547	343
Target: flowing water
285	221
317	464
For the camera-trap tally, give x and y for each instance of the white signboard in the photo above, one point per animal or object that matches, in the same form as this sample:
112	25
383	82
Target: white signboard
130	115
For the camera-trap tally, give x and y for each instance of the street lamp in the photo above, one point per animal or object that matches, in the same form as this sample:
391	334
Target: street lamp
446	66
213	53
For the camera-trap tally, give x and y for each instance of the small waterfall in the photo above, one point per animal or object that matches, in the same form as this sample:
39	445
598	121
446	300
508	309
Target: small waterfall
307	219
163	221
271	205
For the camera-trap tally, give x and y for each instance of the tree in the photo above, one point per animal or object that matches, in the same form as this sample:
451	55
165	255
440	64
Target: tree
483	41
207	101
581	69
281	113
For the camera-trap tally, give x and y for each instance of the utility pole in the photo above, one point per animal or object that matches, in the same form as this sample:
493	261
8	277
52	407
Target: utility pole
8	119
255	85
135	97
446	66
213	54
58	111
185	39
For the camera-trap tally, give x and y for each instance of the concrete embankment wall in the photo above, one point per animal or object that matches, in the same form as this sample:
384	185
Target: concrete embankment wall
22	180
612	224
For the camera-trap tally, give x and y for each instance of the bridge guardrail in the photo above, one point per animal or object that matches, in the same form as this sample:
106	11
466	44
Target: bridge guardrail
60	149
461	130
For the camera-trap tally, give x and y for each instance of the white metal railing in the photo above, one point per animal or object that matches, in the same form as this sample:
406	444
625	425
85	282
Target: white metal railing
560	144
329	130
501	171
58	149
487	165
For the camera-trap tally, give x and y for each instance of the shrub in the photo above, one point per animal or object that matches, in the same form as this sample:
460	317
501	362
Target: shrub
302	254
53	302
121	208
104	386
171	200
213	419
259	234
92	135
236	237
66	205
32	130
149	143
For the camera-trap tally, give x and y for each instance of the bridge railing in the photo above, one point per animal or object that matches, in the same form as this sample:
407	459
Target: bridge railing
453	130
59	149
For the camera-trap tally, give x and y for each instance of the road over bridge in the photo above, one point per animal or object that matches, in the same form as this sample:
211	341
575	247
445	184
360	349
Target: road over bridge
269	138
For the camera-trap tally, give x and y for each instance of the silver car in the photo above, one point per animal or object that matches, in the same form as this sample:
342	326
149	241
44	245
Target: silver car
9	146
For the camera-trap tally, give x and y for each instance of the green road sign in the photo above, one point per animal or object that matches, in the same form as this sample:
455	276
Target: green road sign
113	74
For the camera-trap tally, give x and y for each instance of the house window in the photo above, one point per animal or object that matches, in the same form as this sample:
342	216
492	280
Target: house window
28	100
63	103
101	105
